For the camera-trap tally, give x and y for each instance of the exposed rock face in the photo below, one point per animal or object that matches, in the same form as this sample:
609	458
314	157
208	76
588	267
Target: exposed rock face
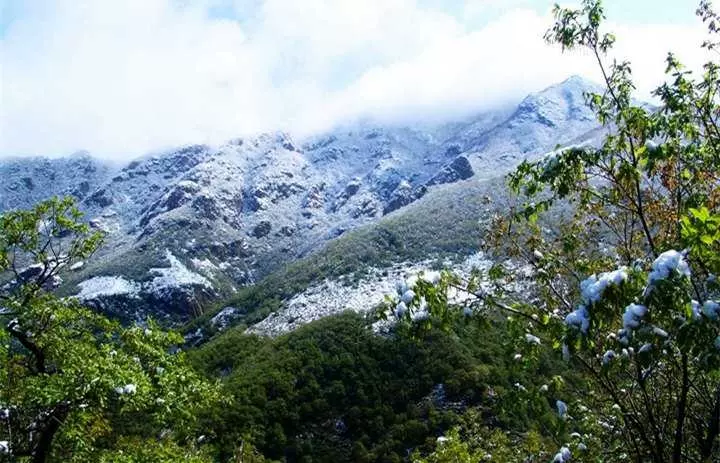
403	195
286	231
315	198
459	169
174	291
262	229
234	212
225	317
99	199
352	187
556	116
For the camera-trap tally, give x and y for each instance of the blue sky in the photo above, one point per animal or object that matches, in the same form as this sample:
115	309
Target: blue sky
120	78
638	11
631	11
244	11
656	11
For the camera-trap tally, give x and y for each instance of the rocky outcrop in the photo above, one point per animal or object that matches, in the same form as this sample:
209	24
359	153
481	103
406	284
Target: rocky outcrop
403	195
315	198
459	169
262	229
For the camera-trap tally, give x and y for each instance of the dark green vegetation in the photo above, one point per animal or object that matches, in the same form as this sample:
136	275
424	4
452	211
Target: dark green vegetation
335	391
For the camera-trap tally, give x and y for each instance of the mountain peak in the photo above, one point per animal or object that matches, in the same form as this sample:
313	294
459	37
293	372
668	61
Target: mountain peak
574	84
562	101
576	79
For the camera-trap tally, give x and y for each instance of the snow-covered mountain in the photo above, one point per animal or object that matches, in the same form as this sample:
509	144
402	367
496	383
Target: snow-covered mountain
191	226
24	182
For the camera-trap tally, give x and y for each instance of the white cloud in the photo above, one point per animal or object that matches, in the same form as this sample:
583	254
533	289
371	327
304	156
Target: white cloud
479	10
123	78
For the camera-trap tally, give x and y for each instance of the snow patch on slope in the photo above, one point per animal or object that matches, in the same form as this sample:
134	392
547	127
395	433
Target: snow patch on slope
176	275
107	286
336	296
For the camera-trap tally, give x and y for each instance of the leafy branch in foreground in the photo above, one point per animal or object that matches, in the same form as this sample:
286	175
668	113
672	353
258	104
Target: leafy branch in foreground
75	385
623	240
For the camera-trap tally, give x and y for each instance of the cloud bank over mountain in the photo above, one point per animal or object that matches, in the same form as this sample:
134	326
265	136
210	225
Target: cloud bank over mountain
123	78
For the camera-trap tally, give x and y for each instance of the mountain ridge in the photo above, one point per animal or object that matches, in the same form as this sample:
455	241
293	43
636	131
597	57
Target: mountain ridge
233	213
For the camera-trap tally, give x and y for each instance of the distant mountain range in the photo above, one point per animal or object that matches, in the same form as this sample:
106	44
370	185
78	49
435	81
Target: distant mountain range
192	226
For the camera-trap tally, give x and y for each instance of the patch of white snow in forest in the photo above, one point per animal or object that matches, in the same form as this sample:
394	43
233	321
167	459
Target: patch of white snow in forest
107	286
176	275
335	296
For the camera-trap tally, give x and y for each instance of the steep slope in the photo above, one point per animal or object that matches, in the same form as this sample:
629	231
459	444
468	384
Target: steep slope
355	270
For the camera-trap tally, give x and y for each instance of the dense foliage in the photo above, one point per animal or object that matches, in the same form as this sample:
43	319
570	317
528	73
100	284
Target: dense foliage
75	385
336	391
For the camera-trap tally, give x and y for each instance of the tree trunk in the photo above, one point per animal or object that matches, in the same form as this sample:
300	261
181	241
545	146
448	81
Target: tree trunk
681	412
713	429
53	423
